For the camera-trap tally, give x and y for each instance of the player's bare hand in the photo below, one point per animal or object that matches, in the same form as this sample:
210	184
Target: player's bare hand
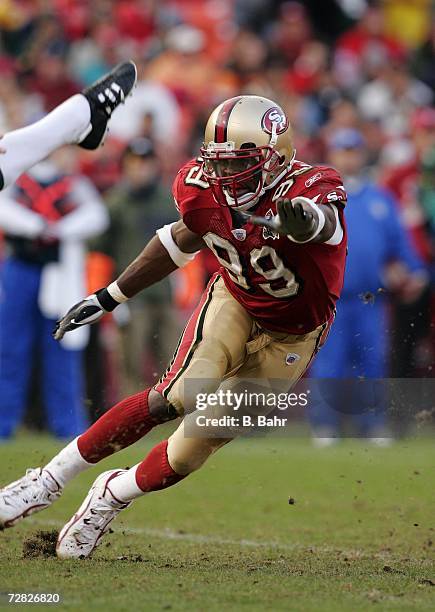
2	150
86	312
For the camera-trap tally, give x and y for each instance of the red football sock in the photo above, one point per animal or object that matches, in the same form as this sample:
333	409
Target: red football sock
122	425
155	473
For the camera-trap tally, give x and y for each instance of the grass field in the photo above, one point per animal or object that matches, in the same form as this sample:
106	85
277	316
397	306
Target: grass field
360	535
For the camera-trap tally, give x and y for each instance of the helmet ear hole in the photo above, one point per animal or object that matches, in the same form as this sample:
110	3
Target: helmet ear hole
248	145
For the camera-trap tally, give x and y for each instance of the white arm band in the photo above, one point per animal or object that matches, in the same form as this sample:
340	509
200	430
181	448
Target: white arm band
116	293
320	218
178	257
337	236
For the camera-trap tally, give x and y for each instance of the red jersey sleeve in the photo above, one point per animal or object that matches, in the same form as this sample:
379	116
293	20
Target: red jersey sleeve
324	185
193	198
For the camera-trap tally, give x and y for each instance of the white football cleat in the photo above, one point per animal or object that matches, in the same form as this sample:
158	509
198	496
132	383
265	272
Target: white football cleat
79	537
31	493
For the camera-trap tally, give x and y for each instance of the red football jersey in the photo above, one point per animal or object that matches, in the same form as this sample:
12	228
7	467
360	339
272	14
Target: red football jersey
284	286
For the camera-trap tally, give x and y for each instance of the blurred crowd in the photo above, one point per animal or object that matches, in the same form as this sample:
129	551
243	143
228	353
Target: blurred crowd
353	76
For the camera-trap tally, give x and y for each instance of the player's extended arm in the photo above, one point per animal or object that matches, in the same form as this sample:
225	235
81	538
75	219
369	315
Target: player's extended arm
173	247
302	220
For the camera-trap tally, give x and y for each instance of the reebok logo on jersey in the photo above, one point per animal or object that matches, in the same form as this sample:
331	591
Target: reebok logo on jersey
313	179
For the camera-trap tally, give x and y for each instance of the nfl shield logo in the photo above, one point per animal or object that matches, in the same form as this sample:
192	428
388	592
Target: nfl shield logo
291	358
239	234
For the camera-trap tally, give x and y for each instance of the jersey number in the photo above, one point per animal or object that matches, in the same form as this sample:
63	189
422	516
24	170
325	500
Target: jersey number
265	261
193	177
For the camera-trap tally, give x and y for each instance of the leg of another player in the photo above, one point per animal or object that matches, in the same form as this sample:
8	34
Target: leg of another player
82	119
27	146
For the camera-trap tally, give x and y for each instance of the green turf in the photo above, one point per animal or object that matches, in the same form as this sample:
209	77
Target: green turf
360	535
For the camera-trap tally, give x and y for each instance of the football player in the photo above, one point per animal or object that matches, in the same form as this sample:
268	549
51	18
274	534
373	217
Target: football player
274	296
82	120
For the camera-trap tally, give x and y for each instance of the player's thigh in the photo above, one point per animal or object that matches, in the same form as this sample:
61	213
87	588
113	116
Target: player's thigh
212	344
276	366
274	363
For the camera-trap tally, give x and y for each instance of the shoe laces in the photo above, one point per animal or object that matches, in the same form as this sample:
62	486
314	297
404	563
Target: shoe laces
100	516
35	486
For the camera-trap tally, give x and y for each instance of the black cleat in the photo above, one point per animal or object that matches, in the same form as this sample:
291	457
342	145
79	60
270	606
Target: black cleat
104	96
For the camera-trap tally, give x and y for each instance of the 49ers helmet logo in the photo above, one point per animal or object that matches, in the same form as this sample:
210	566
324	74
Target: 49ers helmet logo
276	116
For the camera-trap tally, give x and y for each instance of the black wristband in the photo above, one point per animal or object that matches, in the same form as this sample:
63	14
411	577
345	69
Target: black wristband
106	300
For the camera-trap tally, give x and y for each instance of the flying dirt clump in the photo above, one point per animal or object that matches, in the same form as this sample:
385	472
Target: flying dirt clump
41	544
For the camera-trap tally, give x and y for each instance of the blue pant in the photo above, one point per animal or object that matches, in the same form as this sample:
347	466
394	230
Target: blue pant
25	334
355	349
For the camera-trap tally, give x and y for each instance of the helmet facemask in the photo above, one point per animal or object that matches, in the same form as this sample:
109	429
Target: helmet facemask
238	177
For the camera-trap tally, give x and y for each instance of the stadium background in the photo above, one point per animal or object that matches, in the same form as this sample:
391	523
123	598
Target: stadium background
332	65
267	524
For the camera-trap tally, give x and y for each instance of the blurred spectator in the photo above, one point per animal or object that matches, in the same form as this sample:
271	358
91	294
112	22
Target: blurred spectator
47	37
214	19
46	217
404	180
90	58
135	20
407	21
24	24
380	256
353	64
248	56
291	31
16	107
423	60
392	97
102	166
51	80
152	112
187	70
361	49
427	195
306	75
412	348
138	206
